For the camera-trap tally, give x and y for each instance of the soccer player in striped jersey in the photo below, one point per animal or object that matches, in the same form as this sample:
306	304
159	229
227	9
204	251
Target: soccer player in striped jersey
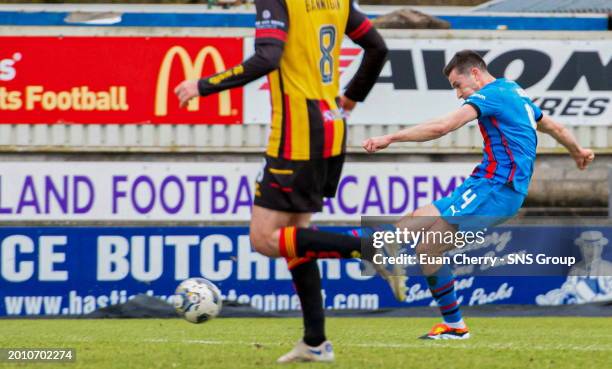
298	46
508	120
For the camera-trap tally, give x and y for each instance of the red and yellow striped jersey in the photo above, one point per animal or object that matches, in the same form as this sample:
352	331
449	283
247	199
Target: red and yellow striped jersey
306	120
298	45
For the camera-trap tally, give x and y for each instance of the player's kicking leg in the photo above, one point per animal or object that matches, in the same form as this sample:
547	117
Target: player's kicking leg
286	194
440	278
476	204
276	233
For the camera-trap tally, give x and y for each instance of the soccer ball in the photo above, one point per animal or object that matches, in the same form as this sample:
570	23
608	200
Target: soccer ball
197	300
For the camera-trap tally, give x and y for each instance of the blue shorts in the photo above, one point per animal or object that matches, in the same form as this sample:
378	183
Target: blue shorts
479	203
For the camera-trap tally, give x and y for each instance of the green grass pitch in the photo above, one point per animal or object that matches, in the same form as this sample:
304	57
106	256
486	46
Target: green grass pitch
557	343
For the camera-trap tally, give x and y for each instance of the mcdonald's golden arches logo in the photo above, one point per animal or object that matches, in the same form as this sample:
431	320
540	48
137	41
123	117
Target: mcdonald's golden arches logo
192	68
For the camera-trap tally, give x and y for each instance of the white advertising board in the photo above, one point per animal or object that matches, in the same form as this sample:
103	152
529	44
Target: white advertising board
168	191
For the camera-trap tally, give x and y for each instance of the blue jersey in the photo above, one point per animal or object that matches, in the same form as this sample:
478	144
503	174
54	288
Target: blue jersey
507	119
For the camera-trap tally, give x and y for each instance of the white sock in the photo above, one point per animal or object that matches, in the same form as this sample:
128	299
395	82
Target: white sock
457	325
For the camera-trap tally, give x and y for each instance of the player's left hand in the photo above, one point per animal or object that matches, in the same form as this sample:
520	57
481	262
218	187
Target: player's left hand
374	144
583	158
347	105
186	91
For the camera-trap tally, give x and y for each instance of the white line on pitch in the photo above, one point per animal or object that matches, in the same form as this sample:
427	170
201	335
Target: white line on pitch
429	344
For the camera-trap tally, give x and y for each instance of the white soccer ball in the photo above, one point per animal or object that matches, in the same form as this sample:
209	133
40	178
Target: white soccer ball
197	300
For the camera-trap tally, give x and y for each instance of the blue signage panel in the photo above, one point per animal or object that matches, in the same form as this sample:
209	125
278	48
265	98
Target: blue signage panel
210	19
75	270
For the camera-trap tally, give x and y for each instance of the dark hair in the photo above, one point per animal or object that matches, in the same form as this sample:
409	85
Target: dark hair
463	61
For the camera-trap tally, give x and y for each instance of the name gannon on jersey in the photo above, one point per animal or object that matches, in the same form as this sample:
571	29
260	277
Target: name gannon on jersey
314	5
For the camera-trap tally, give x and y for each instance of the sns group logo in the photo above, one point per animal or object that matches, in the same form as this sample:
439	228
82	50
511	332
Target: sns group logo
8	72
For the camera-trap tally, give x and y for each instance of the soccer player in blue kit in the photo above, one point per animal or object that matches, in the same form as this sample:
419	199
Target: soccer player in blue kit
497	187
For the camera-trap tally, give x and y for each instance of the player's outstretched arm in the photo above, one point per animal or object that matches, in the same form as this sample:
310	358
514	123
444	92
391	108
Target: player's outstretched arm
426	131
583	157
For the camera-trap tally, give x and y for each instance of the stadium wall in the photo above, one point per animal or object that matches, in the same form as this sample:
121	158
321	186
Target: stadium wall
54	162
409	90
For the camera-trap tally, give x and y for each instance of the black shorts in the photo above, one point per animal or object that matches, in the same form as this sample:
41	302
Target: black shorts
297	186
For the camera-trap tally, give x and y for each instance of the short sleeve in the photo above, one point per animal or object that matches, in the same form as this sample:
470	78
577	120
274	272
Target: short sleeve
272	21
484	102
537	112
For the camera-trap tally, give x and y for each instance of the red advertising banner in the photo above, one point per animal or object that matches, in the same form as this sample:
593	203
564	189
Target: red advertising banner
113	79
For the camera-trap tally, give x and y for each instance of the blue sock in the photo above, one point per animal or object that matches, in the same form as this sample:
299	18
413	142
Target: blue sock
442	286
